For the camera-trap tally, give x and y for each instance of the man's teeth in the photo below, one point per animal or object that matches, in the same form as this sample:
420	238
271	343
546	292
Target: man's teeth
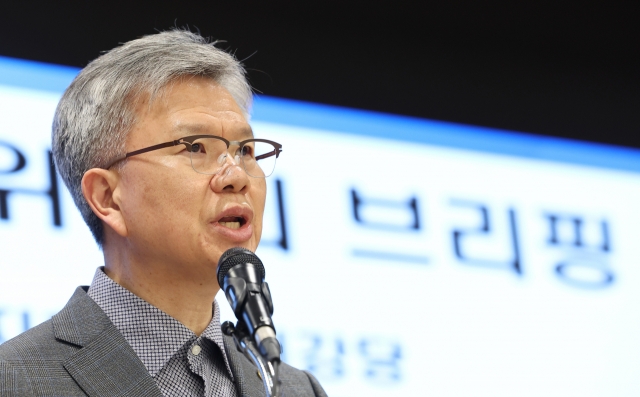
231	225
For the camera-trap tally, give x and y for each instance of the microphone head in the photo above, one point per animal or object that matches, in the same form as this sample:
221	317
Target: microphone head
236	256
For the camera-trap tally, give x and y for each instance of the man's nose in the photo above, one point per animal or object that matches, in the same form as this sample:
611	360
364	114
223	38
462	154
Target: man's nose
232	177
226	157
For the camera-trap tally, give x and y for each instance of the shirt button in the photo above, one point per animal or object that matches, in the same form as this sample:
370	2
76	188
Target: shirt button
196	350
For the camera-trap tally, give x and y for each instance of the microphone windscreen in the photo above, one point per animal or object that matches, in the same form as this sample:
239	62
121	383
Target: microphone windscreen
235	256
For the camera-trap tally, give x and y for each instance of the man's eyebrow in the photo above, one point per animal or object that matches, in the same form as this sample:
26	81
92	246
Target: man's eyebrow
205	129
194	129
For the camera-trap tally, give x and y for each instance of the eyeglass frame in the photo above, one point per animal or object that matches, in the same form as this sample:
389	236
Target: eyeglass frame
188	142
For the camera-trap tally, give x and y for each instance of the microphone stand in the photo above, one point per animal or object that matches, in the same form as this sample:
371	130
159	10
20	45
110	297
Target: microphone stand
268	371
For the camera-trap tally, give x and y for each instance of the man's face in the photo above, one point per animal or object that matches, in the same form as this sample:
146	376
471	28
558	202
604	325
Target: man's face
177	218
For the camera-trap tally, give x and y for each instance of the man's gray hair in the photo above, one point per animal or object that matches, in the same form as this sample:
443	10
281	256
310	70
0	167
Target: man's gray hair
97	111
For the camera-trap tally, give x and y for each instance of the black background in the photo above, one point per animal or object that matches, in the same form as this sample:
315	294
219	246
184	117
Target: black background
567	69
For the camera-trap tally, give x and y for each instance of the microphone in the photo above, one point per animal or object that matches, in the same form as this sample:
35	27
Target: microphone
241	277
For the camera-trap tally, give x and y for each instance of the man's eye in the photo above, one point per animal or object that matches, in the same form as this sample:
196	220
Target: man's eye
198	148
246	151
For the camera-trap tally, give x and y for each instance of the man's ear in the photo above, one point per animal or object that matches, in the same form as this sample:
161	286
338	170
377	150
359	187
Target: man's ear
99	188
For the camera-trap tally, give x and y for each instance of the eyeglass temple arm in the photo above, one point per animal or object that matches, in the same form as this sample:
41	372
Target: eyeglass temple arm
275	152
148	149
156	147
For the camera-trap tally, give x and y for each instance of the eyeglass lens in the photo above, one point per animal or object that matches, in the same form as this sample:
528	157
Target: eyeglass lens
208	156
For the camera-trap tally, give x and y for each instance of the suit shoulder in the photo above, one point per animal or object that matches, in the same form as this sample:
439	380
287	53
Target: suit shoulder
294	381
38	343
39	335
9	380
317	387
31	364
300	381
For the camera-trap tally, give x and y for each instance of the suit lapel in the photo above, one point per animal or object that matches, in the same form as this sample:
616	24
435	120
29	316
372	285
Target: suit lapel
245	374
105	365
108	366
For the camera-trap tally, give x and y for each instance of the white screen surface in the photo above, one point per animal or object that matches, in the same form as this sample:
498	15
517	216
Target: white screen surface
405	257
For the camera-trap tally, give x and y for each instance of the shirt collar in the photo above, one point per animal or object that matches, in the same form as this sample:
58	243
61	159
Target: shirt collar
153	334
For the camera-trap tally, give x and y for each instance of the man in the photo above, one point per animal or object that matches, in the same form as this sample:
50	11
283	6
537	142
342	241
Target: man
153	142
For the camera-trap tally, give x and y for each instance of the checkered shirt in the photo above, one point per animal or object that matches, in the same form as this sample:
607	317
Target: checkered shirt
181	363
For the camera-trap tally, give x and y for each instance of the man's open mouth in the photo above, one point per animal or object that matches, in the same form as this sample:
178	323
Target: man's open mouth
232	222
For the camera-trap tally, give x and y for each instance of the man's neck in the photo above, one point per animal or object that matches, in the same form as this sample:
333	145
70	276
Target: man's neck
186	297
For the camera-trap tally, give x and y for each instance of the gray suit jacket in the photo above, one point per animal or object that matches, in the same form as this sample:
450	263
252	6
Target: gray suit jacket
79	352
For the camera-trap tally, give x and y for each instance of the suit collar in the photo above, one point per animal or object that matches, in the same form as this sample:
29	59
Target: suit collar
105	362
247	379
81	320
105	365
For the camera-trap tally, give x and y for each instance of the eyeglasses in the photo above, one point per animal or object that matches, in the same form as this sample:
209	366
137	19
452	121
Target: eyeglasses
209	153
